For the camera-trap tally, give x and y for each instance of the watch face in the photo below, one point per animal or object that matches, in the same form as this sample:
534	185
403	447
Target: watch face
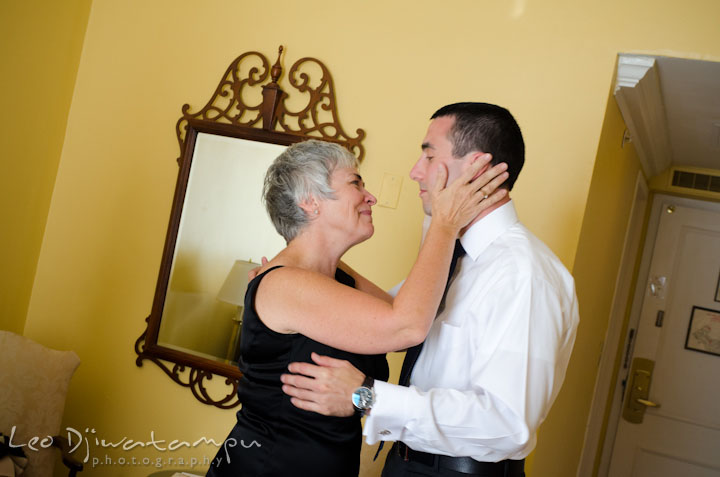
362	398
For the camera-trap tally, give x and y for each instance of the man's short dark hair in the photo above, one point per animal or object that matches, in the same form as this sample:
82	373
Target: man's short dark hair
487	128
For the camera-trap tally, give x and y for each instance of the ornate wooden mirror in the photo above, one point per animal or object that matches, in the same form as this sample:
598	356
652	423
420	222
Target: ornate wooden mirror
218	225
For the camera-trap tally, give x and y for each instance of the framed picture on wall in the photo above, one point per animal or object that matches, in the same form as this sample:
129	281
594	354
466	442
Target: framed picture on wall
704	331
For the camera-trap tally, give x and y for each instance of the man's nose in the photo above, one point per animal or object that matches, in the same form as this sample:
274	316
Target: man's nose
370	199
416	173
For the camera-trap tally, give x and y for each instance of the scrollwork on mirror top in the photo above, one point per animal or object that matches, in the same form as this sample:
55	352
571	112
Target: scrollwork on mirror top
271	120
228	105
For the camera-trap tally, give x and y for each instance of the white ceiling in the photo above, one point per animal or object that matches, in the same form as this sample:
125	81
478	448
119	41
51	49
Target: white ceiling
691	94
672	109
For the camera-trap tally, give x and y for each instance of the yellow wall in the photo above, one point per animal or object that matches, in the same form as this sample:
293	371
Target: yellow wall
40	46
551	63
597	262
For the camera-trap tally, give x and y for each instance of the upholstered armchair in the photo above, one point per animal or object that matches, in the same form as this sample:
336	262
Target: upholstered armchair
33	384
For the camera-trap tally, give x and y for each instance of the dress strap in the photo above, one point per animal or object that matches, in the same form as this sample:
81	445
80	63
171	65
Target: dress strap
267	271
255	282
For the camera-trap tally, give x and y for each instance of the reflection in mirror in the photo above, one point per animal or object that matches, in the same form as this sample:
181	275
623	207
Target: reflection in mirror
233	292
223	221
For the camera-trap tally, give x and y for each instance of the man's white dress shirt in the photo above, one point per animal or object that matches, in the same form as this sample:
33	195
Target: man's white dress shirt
495	358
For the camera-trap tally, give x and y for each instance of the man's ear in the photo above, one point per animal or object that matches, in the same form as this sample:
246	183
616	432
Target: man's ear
471	157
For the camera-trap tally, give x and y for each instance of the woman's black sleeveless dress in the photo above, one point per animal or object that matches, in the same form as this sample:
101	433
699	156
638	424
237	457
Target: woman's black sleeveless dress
272	437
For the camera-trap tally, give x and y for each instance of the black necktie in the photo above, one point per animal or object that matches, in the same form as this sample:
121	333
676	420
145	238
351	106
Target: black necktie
412	353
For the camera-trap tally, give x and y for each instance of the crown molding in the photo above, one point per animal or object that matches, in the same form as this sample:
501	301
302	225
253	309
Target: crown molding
639	97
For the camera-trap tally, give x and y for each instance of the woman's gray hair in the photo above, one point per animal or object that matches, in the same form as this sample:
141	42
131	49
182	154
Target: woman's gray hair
300	173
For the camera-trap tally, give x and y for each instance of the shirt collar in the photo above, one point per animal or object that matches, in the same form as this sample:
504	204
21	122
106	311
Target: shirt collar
484	232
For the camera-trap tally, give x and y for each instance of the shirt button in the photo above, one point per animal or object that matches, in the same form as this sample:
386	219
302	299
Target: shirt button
385	433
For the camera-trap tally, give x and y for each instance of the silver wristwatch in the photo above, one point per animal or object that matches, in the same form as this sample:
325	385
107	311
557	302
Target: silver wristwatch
364	397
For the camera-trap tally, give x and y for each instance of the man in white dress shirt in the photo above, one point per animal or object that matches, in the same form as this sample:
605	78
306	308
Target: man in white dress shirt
495	357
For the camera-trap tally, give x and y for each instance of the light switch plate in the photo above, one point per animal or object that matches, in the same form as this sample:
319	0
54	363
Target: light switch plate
390	190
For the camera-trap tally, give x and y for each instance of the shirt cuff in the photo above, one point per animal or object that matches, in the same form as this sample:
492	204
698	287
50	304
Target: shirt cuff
391	412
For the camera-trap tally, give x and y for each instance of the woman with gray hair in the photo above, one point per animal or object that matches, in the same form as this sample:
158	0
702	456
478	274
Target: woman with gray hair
300	302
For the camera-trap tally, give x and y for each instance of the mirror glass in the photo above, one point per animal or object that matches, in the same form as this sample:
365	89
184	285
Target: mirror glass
223	221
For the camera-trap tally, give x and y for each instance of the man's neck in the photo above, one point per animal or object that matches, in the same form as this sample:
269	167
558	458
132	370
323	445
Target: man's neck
485	212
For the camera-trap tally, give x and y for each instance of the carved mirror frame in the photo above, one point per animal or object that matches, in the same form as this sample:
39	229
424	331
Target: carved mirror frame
228	114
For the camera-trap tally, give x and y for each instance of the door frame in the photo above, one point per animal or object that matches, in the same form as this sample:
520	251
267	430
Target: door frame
621	295
618	336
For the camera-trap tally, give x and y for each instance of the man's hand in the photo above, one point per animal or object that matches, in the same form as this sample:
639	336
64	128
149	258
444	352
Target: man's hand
254	272
326	388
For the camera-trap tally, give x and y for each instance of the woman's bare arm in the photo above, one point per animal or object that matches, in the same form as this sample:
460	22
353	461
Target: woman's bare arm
365	285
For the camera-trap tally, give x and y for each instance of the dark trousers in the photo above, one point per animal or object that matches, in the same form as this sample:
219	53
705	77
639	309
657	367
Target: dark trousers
397	466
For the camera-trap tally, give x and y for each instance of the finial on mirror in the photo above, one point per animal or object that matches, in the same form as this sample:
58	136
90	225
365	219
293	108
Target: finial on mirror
277	69
272	95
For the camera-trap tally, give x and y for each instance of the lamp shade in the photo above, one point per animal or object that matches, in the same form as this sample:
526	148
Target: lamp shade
233	290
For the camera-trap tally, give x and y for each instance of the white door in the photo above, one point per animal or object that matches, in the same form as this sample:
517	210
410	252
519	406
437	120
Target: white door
681	438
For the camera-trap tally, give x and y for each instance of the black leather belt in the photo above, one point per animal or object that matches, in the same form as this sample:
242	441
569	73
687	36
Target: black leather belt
464	465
